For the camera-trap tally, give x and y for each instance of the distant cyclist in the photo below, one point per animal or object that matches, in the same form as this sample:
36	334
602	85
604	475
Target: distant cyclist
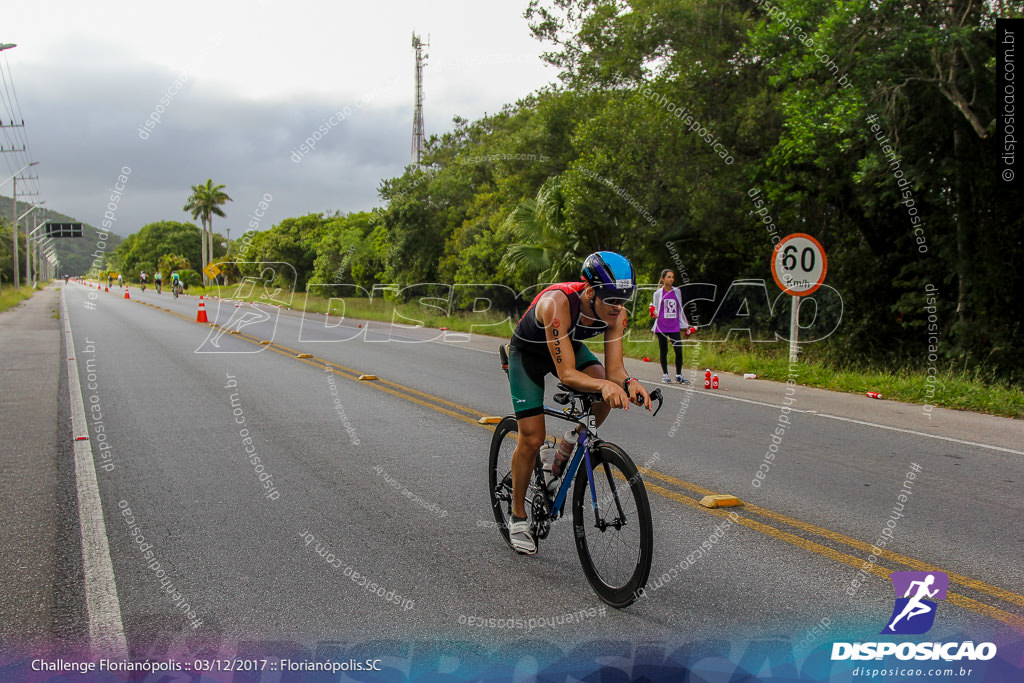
142	280
549	340
158	280
175	284
120	281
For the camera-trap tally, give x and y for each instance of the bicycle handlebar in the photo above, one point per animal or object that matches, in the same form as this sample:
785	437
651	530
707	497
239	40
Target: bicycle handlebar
587	397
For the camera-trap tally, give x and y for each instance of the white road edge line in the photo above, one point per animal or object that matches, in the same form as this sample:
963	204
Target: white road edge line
815	413
106	629
915	433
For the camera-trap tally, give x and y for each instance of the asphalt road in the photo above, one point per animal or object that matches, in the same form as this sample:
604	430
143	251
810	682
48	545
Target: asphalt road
385	479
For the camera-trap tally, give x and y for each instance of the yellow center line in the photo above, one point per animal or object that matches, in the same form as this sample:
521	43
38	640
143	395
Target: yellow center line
678	482
994	591
466	415
1008	618
438	399
354	375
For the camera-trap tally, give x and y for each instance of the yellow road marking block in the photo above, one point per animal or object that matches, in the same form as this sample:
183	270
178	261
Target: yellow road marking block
304	355
720	500
365	378
264	342
489	420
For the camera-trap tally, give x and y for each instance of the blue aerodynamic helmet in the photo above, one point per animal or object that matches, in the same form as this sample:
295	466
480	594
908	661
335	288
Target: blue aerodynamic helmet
610	274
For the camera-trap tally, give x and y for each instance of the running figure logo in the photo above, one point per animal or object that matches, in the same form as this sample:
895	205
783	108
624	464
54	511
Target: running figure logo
258	312
914	613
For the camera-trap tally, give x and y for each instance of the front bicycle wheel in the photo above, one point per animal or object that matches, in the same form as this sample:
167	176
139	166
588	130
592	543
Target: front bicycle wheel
615	538
499	473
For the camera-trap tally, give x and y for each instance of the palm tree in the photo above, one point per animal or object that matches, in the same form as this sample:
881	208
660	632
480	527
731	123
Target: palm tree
204	204
540	246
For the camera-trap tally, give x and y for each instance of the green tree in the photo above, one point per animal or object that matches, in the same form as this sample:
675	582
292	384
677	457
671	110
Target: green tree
144	249
889	149
169	263
540	249
343	241
204	203
293	241
678	119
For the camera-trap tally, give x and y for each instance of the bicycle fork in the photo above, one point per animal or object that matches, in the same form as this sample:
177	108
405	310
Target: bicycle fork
601	524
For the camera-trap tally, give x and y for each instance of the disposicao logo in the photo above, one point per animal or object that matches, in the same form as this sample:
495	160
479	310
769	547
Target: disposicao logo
913	614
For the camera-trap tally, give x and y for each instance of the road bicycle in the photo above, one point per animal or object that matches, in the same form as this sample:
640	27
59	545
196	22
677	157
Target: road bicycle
615	543
158	284
177	287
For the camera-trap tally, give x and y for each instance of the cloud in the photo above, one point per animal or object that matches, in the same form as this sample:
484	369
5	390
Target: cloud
256	87
94	128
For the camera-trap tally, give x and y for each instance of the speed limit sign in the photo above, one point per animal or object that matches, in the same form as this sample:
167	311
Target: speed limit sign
799	264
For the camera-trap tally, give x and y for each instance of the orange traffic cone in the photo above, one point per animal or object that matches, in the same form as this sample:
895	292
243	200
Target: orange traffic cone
105	288
201	315
126	293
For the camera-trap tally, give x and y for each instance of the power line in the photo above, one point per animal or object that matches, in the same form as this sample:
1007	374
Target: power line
17	150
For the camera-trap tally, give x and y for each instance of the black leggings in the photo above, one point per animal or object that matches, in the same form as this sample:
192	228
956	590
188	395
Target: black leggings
663	339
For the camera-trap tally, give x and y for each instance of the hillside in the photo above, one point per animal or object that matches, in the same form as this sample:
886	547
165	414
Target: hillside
75	254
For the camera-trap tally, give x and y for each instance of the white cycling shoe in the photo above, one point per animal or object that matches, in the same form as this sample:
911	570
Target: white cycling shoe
521	538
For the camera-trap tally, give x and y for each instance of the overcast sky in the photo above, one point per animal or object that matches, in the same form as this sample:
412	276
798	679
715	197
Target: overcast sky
256	79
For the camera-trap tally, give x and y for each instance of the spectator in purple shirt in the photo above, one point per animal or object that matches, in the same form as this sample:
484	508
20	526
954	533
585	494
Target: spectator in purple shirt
667	309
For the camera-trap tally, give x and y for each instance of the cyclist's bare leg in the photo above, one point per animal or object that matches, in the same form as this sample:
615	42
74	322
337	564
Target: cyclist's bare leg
531	438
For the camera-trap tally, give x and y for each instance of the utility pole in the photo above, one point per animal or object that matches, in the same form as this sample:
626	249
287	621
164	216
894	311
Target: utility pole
13	228
417	117
28	257
14	192
17	223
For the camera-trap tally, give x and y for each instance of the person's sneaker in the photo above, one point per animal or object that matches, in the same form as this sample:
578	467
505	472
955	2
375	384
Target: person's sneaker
665	379
521	538
682	380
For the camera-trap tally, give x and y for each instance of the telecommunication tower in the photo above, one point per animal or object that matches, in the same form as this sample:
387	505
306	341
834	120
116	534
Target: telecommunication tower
417	117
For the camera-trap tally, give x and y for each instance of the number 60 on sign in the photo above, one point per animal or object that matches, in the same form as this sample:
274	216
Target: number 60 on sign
799	264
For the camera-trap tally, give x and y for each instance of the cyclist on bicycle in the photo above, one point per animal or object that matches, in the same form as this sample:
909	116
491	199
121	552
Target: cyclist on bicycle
158	280
548	340
175	283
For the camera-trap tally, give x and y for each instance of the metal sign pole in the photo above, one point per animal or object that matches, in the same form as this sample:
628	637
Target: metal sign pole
794	329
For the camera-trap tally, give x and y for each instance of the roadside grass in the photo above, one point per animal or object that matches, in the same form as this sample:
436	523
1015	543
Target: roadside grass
10	297
819	366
